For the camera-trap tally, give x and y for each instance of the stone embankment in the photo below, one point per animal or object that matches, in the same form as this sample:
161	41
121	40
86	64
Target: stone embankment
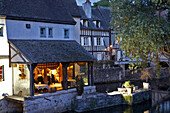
101	100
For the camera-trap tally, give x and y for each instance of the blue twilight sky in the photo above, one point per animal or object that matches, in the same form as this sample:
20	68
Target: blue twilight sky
79	2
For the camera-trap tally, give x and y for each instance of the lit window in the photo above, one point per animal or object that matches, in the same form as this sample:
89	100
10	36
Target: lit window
42	32
50	32
1	31
98	41
2	73
66	33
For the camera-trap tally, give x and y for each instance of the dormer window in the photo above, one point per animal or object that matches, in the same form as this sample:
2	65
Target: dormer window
96	23
84	23
1	31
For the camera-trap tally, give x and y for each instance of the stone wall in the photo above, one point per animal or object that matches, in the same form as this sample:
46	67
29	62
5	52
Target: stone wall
58	102
101	100
10	107
107	75
96	101
137	97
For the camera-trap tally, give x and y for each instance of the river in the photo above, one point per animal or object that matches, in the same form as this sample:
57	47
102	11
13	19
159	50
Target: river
146	107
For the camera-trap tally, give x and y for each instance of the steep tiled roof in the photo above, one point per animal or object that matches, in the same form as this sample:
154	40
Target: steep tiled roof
51	51
72	7
106	14
38	10
101	14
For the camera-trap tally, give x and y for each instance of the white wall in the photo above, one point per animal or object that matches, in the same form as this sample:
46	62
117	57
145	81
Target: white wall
4	48
17	30
6	85
77	30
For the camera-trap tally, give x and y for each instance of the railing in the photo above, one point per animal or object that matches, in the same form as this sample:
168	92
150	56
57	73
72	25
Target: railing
159	96
95	48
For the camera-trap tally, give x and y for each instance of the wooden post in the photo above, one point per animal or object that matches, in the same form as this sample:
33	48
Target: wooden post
31	80
89	75
9	54
110	43
92	43
92	77
64	82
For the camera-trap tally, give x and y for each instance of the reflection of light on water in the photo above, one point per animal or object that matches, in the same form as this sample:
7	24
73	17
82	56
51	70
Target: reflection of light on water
163	107
146	111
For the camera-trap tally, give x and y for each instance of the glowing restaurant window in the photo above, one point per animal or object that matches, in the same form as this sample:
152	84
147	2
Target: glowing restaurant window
48	78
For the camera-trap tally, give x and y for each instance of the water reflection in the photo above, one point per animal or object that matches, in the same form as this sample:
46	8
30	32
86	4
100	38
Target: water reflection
138	108
145	107
163	107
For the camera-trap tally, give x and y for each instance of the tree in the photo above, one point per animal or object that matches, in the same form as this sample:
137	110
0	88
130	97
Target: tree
105	3
143	29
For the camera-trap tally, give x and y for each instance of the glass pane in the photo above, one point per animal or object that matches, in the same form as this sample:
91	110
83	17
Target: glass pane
48	78
71	81
81	68
21	78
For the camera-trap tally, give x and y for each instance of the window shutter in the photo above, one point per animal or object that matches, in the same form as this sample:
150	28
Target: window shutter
95	41
101	40
82	41
89	41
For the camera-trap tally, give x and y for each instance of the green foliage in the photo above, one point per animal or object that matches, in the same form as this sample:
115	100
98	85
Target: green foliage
127	99
143	32
79	85
72	106
127	84
104	3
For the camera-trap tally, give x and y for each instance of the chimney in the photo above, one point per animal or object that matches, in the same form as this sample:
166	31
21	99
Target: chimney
87	8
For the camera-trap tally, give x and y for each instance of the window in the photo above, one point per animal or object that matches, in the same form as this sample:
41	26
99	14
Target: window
66	33
85	40
97	24
98	41
28	26
2	73
42	32
1	31
50	32
85	24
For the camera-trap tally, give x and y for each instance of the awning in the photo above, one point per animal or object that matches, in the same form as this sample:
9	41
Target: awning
48	51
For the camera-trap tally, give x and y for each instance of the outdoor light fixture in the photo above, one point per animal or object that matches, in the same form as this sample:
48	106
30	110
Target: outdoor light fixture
5	94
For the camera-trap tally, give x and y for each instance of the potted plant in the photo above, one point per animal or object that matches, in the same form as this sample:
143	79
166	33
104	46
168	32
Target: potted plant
79	86
145	75
129	87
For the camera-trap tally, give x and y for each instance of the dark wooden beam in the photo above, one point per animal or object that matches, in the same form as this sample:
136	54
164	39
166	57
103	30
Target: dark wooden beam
9	54
89	74
64	82
4	56
31	81
92	76
96	36
31	68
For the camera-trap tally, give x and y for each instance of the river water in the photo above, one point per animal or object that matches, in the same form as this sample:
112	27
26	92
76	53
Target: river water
145	107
